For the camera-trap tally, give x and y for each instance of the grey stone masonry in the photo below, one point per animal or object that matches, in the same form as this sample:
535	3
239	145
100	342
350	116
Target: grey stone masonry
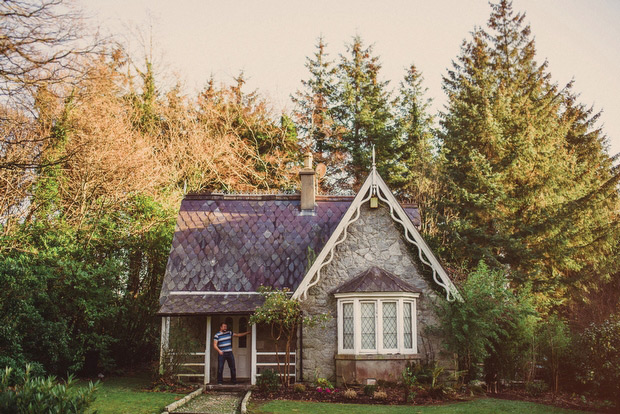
375	239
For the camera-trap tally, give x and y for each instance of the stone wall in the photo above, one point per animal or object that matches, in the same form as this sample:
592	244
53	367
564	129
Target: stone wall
373	240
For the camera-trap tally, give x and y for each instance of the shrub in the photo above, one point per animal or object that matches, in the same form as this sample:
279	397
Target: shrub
555	342
410	381
369	390
536	388
600	366
350	394
379	395
268	381
299	387
43	395
323	383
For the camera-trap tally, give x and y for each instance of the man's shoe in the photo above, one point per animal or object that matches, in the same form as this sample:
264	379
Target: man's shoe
220	383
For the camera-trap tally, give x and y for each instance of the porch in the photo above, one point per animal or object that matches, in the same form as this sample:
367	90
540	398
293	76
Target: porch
187	346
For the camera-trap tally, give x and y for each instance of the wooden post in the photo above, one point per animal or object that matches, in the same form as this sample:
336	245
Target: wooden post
165	340
207	377
253	359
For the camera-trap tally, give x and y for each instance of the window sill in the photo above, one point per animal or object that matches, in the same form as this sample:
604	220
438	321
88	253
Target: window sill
377	357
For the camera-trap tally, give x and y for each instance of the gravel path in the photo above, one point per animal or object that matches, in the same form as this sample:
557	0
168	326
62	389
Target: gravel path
213	402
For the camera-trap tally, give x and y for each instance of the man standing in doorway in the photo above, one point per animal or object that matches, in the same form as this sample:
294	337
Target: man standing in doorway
222	342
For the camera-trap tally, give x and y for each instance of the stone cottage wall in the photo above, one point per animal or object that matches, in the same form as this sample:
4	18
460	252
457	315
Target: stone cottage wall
373	240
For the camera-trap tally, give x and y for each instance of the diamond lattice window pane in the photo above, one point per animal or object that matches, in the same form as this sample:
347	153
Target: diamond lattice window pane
407	325
347	326
368	325
389	325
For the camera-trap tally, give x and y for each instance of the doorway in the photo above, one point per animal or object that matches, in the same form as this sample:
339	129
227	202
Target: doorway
241	345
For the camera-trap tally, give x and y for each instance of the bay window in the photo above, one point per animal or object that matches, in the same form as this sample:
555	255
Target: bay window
377	323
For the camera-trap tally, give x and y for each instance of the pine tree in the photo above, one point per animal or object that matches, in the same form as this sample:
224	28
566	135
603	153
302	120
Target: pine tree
363	111
313	116
515	151
413	173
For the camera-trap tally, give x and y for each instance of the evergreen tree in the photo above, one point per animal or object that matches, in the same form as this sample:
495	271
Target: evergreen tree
517	192
363	111
317	130
413	174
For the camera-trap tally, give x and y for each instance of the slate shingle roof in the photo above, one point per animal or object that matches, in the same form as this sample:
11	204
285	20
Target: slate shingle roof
237	243
234	303
375	280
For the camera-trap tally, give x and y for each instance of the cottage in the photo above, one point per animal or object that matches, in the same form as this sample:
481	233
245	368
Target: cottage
358	258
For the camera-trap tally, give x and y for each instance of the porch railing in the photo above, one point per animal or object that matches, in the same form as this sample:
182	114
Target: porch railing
267	360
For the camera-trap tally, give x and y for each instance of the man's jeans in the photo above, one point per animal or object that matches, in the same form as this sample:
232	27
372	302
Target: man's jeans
228	357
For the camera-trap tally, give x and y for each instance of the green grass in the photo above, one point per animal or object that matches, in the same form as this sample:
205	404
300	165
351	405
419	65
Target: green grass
480	406
128	395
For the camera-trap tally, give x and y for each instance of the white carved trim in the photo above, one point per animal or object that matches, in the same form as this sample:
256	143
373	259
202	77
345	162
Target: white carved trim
374	185
340	234
410	231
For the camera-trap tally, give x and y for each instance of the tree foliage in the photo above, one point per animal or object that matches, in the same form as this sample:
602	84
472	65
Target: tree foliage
491	325
599	358
31	394
284	316
529	184
83	261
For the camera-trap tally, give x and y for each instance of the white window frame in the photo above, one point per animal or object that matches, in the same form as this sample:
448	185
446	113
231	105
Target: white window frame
378	298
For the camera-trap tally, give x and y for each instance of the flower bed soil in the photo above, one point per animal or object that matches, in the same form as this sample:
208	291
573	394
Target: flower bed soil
396	396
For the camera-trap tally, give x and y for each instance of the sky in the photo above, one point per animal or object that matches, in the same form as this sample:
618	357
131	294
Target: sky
269	41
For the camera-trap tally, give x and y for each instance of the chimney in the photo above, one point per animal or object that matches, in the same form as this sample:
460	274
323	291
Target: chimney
307	185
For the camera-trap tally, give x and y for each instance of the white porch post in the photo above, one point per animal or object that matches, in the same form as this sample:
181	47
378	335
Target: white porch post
207	376
165	340
253	358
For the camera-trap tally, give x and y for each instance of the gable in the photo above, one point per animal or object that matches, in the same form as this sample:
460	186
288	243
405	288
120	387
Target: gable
375	188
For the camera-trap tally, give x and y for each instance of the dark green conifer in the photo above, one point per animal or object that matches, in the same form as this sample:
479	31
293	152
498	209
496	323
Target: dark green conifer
363	112
526	171
413	172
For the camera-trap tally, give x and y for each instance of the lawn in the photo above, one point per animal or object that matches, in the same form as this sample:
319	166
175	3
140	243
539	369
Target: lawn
480	406
128	395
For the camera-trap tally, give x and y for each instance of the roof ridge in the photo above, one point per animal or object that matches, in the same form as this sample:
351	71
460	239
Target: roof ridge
261	197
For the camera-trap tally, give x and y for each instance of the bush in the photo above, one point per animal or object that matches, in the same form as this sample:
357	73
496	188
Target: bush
299	387
491	327
43	395
350	394
600	366
323	383
410	381
269	381
379	395
536	388
369	390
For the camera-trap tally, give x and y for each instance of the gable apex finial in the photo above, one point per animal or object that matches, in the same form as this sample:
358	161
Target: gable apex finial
374	166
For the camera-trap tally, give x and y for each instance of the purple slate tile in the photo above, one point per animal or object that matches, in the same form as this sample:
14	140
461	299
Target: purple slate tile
242	242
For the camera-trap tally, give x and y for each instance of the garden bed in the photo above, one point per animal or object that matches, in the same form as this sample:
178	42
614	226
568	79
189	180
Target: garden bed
395	395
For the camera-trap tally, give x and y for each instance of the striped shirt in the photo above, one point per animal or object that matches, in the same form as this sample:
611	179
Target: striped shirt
224	340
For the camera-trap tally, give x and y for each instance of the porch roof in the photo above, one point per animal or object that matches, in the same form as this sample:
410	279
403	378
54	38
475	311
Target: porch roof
210	303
